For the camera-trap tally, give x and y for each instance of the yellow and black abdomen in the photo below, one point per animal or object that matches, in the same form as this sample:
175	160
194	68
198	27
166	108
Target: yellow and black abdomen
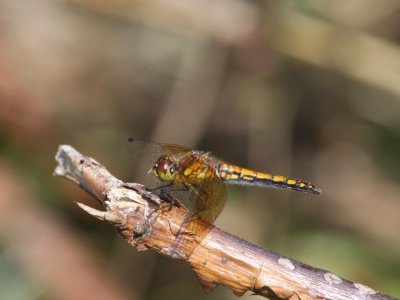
232	174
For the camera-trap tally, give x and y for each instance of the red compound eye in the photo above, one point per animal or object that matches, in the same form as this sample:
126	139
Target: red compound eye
162	166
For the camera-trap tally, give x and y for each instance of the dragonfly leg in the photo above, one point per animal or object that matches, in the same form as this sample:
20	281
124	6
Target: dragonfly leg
187	219
159	188
201	198
162	191
172	201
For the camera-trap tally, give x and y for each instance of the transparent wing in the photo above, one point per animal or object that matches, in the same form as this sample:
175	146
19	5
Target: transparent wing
145	152
143	147
205	198
208	198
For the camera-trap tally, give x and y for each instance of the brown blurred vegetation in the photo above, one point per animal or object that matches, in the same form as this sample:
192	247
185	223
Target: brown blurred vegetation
309	89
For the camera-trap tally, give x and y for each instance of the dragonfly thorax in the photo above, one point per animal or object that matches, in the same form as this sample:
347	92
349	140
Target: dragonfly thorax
164	168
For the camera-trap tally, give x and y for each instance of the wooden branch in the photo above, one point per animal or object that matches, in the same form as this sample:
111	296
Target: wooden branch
146	221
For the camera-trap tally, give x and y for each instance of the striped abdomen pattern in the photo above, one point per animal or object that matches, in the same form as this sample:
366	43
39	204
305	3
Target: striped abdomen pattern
232	174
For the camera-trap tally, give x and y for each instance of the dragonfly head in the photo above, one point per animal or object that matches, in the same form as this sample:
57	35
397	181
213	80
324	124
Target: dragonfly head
164	168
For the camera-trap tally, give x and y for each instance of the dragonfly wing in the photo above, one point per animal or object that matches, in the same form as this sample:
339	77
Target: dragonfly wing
175	148
151	147
205	198
208	198
145	153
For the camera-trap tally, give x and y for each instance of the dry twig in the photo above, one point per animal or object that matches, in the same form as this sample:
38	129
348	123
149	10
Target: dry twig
216	257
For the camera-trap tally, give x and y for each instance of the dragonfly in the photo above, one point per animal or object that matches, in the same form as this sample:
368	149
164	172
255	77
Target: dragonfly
203	177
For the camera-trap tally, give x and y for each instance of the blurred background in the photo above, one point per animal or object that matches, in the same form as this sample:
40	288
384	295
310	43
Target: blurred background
308	89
